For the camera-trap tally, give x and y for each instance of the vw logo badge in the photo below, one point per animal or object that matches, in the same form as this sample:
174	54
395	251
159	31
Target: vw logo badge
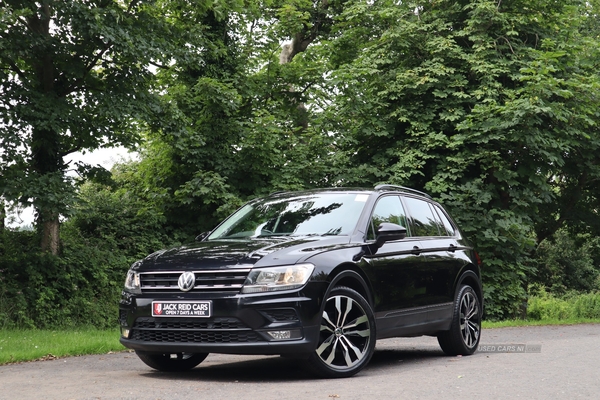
186	281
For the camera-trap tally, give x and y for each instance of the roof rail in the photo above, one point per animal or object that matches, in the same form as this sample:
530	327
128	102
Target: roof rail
401	189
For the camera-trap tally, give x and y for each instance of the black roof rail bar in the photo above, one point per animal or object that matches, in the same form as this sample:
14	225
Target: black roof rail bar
401	189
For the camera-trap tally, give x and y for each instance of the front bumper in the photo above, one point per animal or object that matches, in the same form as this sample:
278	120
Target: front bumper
239	324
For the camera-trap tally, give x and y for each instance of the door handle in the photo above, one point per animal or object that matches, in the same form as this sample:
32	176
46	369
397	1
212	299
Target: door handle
452	248
416	250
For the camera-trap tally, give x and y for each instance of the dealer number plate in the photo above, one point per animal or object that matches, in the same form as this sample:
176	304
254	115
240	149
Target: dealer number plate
201	309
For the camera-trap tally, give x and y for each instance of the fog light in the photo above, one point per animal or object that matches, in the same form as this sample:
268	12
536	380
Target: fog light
285	335
125	332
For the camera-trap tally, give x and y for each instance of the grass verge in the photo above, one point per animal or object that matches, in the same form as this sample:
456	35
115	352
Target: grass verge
37	344
532	322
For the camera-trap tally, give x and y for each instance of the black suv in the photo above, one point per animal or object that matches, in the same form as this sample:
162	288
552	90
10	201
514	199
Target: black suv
319	275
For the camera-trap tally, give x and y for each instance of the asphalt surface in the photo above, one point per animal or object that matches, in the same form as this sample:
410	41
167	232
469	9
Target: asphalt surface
551	362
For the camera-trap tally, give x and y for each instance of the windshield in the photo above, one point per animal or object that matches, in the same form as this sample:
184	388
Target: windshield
306	215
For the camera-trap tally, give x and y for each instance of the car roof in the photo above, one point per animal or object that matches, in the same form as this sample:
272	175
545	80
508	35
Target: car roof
397	188
378	188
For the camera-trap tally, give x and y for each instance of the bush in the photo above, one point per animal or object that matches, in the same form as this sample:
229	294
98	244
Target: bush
17	257
587	305
567	262
79	287
543	305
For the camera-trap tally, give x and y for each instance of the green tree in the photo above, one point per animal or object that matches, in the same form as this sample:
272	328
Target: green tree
74	76
237	126
491	106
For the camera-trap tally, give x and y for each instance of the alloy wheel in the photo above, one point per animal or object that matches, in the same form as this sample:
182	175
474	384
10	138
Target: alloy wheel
345	333
470	324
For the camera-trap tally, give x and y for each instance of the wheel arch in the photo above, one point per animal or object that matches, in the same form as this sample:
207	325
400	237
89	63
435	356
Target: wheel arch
350	275
470	276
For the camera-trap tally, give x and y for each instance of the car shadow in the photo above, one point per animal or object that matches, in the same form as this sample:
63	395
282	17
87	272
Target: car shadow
282	369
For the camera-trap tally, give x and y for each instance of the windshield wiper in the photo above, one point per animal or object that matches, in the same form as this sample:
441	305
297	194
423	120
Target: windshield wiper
274	235
331	232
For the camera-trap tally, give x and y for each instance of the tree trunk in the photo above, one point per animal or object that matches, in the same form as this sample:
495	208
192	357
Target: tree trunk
300	43
45	142
47	162
288	51
2	215
50	235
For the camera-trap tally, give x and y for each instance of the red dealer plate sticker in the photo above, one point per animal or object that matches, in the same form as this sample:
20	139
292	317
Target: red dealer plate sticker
200	309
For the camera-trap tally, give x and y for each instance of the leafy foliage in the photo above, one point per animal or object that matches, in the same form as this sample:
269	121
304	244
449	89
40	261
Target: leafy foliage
42	290
73	76
543	305
490	109
230	129
567	262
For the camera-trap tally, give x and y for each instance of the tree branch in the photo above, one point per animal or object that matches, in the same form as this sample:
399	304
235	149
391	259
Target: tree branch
509	45
132	5
14	68
157	65
78	83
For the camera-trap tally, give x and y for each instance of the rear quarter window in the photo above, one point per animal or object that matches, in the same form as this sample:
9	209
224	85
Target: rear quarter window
424	221
447	225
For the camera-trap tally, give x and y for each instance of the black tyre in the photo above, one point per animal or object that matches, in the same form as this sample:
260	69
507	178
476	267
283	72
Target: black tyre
171	361
465	331
347	336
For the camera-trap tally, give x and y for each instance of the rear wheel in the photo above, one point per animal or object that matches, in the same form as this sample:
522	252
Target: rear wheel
465	331
171	361
347	336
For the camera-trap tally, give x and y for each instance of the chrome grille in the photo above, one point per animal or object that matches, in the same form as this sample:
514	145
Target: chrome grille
230	280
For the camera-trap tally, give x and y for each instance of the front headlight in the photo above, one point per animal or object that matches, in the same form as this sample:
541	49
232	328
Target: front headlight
277	278
132	281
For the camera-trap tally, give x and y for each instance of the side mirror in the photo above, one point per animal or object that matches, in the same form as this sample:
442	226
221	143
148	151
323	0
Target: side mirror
387	232
202	236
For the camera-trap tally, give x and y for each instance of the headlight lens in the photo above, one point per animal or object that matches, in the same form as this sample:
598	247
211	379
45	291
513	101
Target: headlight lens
132	281
277	278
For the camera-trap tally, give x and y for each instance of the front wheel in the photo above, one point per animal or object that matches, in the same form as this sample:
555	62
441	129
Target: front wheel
347	336
465	331
171	362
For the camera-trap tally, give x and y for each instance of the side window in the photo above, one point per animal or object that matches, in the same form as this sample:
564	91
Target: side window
424	223
387	209
446	222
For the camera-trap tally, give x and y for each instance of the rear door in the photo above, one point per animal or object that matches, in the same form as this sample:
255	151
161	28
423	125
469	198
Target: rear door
439	244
